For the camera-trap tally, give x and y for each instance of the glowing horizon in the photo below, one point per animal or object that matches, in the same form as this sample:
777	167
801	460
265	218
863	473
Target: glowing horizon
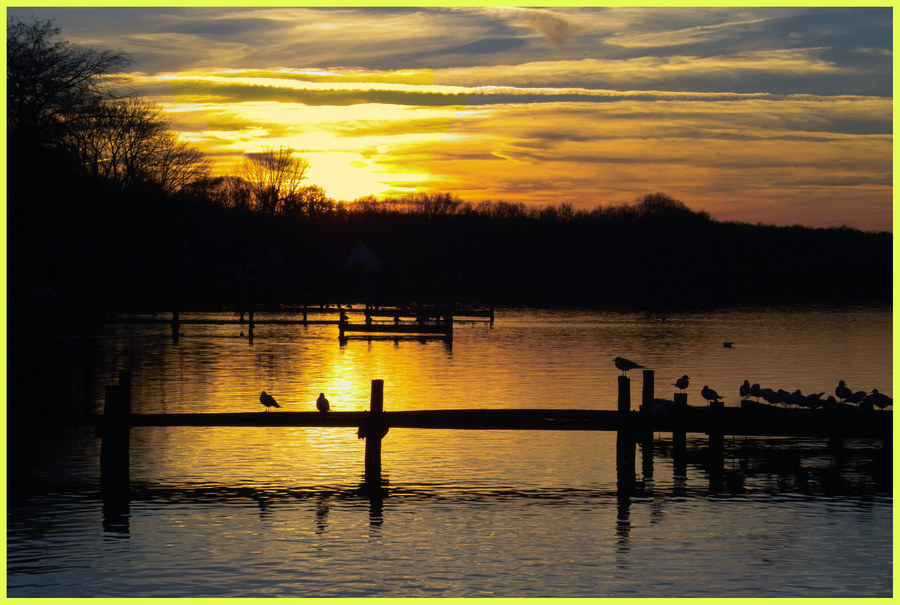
750	114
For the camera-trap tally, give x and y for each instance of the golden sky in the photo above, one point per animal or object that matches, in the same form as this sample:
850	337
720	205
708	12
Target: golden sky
773	115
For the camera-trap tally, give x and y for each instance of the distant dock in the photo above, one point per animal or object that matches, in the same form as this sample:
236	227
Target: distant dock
423	320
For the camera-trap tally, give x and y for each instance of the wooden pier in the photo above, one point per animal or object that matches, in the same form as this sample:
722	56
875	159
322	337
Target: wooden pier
397	319
633	426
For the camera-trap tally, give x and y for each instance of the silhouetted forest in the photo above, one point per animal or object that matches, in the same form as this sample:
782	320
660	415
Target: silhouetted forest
109	209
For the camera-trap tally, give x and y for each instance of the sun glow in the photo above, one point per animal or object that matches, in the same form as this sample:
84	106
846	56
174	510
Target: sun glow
355	149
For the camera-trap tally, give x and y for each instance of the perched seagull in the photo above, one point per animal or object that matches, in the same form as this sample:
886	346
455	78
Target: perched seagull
709	394
814	400
682	383
625	364
745	389
879	400
322	403
755	391
769	395
857	397
842	391
268	401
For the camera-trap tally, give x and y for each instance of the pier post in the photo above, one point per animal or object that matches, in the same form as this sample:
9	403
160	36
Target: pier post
679	438
716	453
176	324
114	454
646	436
305	313
373	431
625	443
250	327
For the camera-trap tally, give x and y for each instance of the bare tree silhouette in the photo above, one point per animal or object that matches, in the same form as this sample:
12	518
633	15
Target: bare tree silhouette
274	176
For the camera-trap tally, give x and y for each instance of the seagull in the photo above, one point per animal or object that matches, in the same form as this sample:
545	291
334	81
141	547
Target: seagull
709	394
842	391
755	391
625	364
322	403
857	397
814	400
682	383
880	400
268	401
745	389
769	395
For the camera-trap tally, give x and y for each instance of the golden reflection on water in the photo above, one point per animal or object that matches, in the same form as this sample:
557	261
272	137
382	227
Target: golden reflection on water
527	360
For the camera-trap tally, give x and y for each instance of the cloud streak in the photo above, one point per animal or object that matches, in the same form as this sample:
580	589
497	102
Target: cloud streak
753	114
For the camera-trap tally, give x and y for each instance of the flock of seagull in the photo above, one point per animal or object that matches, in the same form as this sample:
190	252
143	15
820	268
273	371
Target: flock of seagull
842	393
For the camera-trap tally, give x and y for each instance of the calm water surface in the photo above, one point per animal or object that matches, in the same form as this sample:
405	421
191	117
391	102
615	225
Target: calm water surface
228	512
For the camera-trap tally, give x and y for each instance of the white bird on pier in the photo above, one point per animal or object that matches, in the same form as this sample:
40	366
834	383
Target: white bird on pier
268	401
625	364
322	403
709	394
682	383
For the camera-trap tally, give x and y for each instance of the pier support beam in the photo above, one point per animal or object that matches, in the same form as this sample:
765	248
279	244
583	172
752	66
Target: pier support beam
716	453
114	454
625	444
373	431
679	437
646	437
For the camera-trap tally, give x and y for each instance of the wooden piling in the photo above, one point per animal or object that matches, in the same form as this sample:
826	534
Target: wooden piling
646	436
176	325
625	443
679	437
114	454
624	398
716	454
373	431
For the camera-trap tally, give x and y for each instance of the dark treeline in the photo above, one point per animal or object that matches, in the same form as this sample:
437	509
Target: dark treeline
655	253
107	208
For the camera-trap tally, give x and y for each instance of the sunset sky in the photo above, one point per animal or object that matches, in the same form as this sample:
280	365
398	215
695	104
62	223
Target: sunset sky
774	115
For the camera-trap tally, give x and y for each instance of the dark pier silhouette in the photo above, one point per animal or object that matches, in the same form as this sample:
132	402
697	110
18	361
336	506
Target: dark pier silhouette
632	427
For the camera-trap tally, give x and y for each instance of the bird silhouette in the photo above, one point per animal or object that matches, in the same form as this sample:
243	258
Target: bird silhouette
879	400
770	395
625	364
745	389
728	345
856	397
268	401
842	390
322	403
709	394
814	400
755	391
682	383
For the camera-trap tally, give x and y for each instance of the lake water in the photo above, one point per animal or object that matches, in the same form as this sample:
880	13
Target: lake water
254	512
